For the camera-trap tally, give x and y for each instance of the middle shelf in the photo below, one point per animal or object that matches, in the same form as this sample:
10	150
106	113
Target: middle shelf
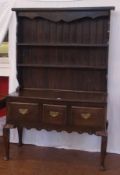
62	44
62	66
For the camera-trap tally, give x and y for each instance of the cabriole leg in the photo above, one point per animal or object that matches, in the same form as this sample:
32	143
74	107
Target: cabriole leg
6	135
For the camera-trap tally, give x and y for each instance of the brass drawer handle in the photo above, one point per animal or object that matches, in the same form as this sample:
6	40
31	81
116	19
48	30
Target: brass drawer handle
23	111
54	114
86	116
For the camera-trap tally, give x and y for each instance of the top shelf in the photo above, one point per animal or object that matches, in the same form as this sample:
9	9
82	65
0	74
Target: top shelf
61	45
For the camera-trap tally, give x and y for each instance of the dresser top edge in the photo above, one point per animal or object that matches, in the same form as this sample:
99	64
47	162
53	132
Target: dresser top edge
66	9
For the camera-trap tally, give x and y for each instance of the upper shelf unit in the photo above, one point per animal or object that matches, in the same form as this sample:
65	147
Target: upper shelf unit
52	28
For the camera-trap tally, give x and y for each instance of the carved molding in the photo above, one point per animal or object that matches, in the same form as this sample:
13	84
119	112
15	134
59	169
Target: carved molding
63	16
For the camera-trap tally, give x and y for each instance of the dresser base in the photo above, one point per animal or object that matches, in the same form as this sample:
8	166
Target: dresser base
6	134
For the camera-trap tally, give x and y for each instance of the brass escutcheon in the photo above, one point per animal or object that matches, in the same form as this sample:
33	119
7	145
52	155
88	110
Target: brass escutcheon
54	114
85	115
23	111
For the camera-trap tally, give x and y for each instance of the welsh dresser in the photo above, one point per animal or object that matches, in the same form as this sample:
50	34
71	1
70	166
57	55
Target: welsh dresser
62	61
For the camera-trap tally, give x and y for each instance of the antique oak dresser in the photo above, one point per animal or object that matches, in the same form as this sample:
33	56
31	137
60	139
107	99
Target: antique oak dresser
62	57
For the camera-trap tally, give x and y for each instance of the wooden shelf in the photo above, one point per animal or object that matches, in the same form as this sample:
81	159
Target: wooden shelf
61	45
61	66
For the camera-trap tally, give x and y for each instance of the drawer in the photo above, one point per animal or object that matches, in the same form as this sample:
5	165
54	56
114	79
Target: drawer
89	117
23	112
54	114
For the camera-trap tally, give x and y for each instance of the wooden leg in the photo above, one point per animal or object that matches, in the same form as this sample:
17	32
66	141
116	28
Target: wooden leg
6	133
103	151
103	134
20	131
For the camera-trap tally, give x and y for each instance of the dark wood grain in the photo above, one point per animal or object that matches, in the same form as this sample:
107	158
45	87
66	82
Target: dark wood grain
62	60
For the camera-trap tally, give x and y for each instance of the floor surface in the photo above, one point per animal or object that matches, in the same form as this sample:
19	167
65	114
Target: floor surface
33	160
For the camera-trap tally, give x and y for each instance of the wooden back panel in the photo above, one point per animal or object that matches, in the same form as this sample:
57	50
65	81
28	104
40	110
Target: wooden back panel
63	49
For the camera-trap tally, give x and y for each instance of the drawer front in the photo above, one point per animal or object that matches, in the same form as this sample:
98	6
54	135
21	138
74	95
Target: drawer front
23	112
89	117
54	114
